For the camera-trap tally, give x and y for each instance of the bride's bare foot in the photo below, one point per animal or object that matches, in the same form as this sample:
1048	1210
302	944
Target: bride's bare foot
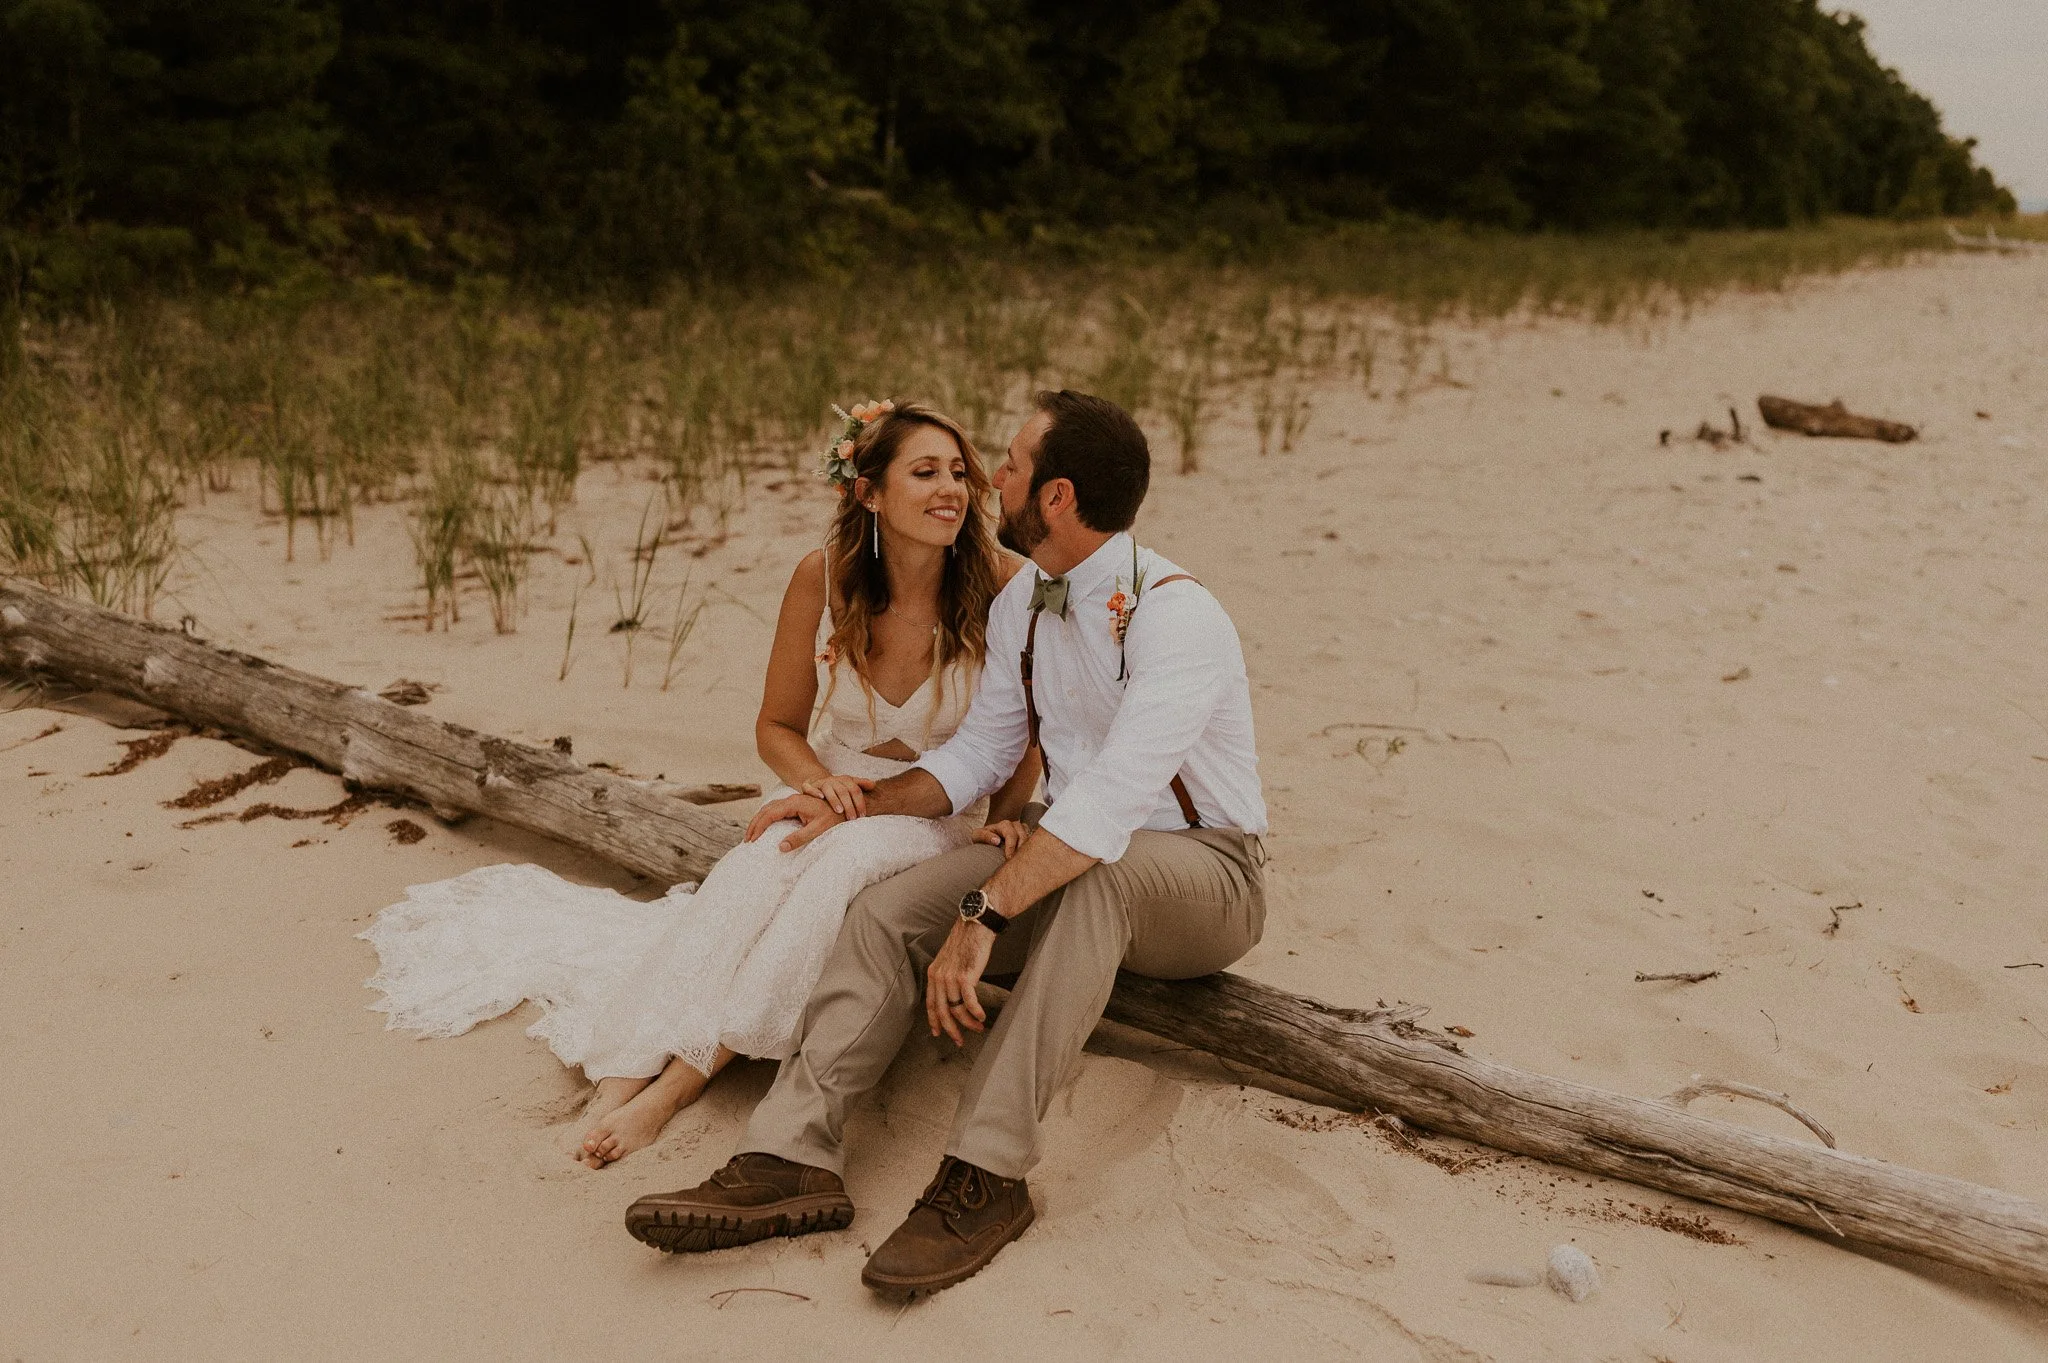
613	1093
635	1124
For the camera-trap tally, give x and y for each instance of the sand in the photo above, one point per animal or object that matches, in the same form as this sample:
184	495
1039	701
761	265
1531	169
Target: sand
1542	703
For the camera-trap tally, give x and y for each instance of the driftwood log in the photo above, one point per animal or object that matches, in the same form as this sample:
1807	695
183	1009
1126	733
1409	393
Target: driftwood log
1834	419
1378	1059
644	826
1381	1059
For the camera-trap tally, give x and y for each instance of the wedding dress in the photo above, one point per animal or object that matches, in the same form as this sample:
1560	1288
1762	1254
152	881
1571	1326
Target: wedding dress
623	985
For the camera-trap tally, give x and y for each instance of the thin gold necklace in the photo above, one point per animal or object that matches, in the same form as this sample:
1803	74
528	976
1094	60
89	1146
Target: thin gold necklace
920	624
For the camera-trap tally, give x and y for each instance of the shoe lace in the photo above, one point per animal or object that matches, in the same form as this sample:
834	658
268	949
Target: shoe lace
736	1171
959	1188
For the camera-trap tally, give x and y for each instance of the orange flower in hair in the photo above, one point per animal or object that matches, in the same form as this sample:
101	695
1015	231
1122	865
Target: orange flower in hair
836	464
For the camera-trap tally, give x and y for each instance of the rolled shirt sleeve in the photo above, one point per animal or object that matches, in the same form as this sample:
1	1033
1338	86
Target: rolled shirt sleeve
993	737
1181	651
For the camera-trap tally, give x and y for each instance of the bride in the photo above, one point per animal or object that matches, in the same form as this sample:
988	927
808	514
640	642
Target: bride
876	655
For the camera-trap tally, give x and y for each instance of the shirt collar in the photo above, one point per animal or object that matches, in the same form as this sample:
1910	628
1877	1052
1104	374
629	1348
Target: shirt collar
1100	567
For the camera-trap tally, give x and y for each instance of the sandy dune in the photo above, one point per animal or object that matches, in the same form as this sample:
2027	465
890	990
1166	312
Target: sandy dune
1542	704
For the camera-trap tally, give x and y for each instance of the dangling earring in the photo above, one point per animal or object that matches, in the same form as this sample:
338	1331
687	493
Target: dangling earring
878	531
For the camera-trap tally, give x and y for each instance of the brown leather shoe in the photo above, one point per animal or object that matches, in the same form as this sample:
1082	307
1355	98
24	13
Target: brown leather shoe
752	1198
964	1217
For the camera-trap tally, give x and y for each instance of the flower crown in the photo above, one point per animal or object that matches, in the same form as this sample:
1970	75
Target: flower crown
836	465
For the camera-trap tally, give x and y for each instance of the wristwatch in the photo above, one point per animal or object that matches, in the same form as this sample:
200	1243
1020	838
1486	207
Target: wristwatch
975	908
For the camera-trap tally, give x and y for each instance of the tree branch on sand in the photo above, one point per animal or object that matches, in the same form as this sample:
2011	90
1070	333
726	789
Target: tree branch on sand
1378	1058
1808	418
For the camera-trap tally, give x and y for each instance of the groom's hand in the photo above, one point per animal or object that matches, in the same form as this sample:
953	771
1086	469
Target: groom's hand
950	1002
1008	834
815	815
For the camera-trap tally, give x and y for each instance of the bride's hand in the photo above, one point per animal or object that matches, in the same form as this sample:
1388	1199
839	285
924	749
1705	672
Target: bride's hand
846	794
1008	834
816	816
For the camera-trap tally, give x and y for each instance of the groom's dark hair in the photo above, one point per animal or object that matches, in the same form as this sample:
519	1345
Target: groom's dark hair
1093	444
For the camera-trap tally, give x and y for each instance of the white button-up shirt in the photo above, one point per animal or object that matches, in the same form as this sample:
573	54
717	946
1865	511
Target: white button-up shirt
1113	747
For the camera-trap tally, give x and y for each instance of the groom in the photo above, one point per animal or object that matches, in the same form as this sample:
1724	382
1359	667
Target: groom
1130	677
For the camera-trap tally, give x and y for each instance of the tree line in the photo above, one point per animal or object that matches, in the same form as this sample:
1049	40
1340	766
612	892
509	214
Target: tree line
635	140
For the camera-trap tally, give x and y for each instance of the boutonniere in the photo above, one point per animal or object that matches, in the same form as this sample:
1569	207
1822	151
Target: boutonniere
830	657
1122	605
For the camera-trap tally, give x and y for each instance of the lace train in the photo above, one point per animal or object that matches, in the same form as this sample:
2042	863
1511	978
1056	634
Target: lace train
623	985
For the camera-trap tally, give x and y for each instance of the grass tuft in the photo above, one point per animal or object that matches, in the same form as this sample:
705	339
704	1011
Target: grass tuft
484	409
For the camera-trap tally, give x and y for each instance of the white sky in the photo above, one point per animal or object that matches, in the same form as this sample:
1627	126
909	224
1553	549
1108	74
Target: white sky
1984	63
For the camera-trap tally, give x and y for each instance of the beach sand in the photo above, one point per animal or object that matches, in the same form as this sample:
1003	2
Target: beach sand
1542	703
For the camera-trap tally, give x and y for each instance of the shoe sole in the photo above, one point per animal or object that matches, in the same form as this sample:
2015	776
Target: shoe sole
907	1290
684	1230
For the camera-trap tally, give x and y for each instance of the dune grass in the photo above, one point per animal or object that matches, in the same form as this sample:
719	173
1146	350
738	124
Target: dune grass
480	409
1424	275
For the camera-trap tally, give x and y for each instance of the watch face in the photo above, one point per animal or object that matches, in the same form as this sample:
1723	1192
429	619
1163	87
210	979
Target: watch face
975	908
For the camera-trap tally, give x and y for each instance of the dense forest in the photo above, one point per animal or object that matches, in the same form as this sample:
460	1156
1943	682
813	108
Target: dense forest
593	145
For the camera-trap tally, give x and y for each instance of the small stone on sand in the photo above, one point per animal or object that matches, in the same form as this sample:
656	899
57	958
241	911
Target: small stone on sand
1571	1274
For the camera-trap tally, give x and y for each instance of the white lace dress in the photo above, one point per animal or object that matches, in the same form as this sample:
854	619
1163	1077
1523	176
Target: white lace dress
623	985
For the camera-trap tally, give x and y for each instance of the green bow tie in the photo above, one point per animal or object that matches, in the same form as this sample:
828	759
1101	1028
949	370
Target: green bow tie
1050	594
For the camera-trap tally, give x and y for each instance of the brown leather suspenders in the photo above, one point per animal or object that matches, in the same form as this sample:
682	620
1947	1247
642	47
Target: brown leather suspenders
1024	668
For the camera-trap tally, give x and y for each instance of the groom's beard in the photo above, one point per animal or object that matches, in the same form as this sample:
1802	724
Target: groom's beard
1023	532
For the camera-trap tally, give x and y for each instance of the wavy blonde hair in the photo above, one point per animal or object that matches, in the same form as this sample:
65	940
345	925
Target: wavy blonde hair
857	585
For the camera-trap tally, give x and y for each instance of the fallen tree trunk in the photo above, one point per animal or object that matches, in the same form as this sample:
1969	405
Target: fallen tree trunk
1834	419
1381	1059
1371	1059
646	827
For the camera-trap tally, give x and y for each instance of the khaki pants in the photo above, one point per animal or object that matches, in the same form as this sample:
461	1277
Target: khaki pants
1177	905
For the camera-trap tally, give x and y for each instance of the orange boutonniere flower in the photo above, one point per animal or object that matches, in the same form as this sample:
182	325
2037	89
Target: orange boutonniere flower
830	657
1120	607
1121	604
